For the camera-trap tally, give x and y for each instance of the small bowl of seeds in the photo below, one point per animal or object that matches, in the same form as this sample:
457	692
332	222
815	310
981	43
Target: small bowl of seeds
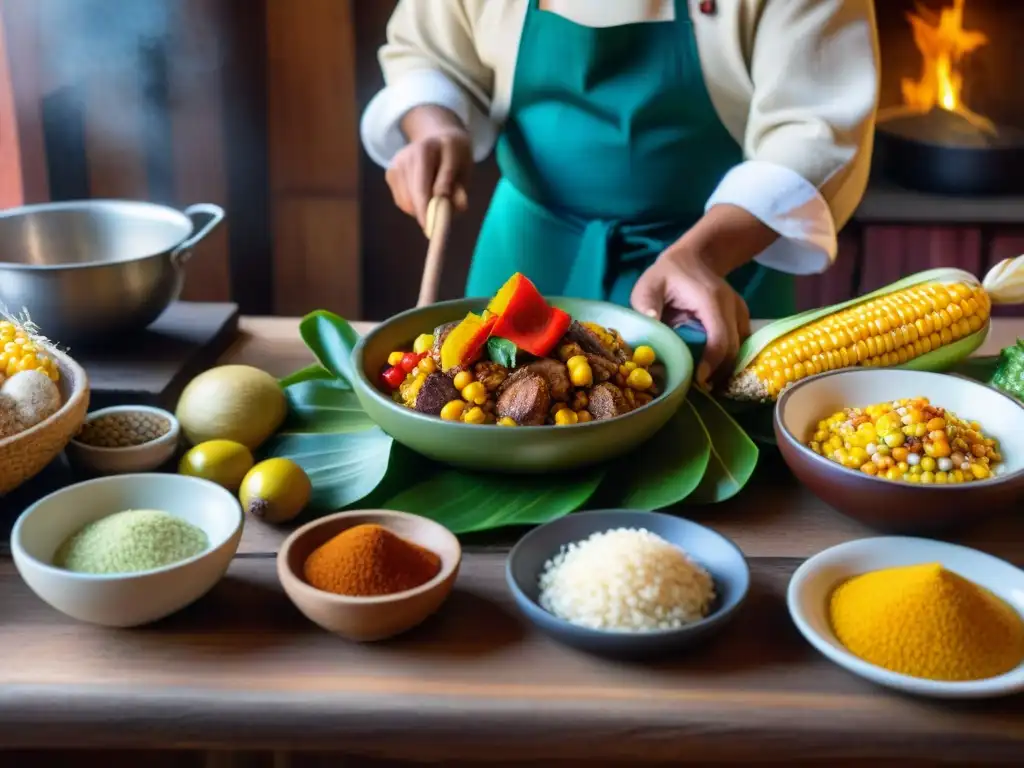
124	439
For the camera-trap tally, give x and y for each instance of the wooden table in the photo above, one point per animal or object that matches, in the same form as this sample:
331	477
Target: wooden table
242	669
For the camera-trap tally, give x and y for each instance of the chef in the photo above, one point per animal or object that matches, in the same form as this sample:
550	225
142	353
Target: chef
687	158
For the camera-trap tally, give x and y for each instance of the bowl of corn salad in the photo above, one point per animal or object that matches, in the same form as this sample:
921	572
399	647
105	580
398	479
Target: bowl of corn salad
903	451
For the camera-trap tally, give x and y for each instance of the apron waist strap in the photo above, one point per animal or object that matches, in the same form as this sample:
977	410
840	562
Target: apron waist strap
605	246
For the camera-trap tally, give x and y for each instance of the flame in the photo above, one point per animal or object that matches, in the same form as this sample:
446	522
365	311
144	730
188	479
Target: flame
943	43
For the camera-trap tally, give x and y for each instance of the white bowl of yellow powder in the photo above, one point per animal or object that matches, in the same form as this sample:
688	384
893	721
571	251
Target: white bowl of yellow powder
127	550
924	617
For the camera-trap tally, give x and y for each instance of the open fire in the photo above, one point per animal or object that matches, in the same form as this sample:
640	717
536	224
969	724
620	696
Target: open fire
943	43
934	139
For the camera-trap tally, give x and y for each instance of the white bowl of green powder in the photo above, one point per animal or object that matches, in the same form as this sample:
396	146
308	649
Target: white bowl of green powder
127	550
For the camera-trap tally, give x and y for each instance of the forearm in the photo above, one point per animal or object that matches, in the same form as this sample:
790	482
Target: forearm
429	120
725	238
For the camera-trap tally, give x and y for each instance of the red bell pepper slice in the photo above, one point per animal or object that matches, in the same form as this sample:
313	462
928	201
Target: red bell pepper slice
536	333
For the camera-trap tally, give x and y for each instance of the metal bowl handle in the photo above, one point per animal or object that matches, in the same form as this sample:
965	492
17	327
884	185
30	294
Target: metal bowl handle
215	213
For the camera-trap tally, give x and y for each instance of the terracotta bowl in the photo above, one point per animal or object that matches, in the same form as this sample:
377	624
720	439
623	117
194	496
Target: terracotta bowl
892	505
365	619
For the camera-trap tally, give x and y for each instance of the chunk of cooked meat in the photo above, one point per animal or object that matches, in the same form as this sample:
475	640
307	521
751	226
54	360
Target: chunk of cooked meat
625	351
602	367
590	342
554	373
490	374
440	334
436	391
567	350
607	401
525	399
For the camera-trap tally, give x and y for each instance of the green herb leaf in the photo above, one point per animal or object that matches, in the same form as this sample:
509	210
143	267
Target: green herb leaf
323	406
502	351
668	467
465	502
331	339
733	454
344	467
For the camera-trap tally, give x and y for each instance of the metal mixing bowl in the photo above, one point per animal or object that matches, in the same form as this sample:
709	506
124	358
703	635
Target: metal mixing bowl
88	270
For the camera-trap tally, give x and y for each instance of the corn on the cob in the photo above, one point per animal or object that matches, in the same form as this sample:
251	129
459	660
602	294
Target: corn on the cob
20	351
890	329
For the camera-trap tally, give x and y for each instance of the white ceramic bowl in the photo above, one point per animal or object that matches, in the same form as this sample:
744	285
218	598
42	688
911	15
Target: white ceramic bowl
130	459
813	582
126	600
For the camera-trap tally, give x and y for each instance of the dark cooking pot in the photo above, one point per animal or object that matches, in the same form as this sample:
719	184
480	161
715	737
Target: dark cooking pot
87	271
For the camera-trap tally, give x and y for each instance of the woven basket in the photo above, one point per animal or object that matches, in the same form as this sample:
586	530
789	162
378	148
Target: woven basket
25	455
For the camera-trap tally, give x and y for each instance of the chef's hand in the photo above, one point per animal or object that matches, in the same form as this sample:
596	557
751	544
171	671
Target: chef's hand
680	286
687	282
436	162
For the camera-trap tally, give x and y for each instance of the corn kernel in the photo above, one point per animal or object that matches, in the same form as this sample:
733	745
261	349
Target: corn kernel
395	358
928	464
644	356
507	421
895	439
475	415
640	380
424	343
980	471
583	416
462	380
581	375
575	360
453	410
566	416
475	392
427	365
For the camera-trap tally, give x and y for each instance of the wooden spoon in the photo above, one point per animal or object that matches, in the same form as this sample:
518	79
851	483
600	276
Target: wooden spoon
438	225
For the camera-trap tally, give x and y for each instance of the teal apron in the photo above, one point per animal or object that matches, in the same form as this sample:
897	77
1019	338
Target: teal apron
611	150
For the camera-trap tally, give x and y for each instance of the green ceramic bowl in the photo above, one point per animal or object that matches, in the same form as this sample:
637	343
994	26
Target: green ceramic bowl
520	449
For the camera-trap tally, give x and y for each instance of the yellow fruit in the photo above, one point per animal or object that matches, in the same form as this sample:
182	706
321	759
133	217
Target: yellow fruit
232	402
224	462
275	490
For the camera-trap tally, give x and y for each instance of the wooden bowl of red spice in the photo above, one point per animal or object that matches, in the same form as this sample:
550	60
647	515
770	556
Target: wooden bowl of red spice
369	574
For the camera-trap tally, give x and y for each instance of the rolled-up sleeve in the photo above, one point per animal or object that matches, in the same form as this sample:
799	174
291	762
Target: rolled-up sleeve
810	131
430	57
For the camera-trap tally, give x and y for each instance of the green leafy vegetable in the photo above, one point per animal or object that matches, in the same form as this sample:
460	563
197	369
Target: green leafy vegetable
314	372
324	405
465	502
502	351
1009	374
344	467
733	454
331	339
668	467
328	433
